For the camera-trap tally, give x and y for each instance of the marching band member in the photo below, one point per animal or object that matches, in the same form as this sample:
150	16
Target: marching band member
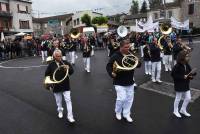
147	59
44	49
176	49
72	51
62	88
182	75
123	83
112	46
87	48
155	61
167	50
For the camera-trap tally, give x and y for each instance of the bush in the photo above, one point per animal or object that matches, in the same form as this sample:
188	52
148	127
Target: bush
195	30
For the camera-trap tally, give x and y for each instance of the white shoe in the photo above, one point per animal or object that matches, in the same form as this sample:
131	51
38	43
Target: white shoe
159	81
177	114
128	119
88	71
153	80
71	119
146	73
118	116
185	113
60	115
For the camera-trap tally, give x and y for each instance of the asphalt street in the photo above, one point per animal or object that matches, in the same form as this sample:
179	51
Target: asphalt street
27	108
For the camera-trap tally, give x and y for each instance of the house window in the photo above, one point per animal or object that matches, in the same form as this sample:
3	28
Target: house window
24	24
191	25
191	9
155	15
169	14
78	21
74	22
22	8
3	7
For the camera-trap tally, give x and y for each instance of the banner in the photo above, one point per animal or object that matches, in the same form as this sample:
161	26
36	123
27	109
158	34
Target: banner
148	26
180	25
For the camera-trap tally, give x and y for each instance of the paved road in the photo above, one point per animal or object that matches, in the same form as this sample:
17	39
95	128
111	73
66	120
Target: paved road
27	108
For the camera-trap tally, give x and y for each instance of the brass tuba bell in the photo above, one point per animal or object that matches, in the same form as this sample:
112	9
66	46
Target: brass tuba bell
165	28
74	34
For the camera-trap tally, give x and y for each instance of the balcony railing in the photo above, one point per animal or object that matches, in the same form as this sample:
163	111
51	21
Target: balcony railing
4	28
5	14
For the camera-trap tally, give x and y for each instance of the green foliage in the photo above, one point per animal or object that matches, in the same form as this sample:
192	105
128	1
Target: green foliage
86	19
99	20
135	7
144	7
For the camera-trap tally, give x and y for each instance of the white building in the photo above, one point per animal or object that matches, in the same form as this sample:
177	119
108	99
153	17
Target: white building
22	18
16	16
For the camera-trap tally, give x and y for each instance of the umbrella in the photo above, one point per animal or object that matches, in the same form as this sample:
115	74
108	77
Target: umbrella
20	34
2	36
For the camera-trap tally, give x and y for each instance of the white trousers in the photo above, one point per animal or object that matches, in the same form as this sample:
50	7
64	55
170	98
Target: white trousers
141	50
187	99
147	65
92	52
156	70
44	54
124	101
67	97
72	57
167	61
86	62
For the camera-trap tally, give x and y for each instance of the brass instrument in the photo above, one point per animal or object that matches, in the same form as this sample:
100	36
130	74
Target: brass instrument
129	62
86	48
115	45
74	34
48	82
165	28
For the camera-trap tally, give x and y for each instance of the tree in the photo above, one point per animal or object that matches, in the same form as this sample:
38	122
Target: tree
154	3
135	7
99	20
144	7
86	19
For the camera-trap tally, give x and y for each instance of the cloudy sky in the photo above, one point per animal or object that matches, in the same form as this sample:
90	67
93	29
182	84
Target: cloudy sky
53	7
43	8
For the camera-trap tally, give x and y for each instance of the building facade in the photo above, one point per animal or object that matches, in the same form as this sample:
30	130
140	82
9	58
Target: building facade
190	10
16	16
59	25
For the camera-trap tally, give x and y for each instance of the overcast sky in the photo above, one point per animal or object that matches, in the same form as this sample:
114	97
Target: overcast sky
53	7
43	8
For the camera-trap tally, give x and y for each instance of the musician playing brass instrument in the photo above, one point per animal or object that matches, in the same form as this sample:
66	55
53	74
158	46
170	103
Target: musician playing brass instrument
182	74
155	61
123	80
167	51
63	87
147	59
87	49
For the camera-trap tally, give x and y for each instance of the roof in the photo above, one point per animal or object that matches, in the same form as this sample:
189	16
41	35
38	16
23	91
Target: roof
135	16
46	19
